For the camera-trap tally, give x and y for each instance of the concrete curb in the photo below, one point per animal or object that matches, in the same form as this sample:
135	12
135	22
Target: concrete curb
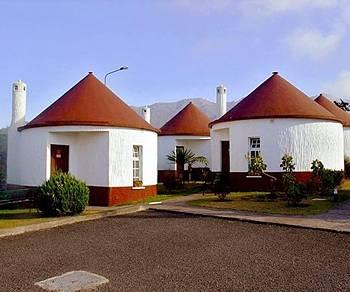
71	220
334	227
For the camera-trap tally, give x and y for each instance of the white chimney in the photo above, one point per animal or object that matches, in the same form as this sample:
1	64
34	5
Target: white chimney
221	100
146	111
19	92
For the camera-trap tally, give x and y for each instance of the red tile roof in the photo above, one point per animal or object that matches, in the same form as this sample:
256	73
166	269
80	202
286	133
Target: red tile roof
276	98
334	109
90	103
189	121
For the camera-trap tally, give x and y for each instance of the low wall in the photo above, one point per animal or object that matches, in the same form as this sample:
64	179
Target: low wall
110	196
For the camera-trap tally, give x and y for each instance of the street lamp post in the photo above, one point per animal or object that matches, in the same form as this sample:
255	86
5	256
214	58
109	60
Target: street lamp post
109	73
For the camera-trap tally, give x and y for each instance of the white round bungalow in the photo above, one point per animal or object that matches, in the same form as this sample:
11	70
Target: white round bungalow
342	115
273	120
91	133
188	129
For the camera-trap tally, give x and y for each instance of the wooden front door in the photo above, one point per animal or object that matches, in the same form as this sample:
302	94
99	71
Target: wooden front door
59	158
225	156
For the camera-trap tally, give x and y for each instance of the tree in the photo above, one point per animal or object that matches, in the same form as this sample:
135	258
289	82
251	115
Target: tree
345	106
184	156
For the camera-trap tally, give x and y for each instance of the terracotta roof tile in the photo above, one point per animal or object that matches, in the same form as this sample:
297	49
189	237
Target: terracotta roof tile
189	121
90	103
276	98
334	109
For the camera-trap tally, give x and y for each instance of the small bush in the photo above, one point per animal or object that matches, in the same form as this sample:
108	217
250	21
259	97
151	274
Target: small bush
295	192
257	165
330	180
324	180
317	167
221	186
62	195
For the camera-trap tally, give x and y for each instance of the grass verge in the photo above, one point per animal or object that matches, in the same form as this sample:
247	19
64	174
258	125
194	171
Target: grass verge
21	217
257	202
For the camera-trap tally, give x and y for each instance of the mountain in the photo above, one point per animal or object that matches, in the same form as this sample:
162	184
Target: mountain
161	112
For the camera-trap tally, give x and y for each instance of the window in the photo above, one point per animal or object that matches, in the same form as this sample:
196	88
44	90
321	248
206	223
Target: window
254	147
137	163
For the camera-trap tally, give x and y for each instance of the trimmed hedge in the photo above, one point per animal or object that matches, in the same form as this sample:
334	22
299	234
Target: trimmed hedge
62	195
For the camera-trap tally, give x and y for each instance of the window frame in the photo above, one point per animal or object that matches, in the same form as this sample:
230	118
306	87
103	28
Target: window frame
139	159
255	149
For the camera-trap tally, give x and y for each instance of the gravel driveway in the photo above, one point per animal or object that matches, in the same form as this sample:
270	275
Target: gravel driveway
151	251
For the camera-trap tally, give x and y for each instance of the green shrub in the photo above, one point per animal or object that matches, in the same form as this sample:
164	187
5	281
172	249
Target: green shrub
330	180
317	167
62	195
221	186
287	163
325	180
295	192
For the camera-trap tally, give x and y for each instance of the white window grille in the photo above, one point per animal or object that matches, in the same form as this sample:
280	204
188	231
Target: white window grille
254	147
137	163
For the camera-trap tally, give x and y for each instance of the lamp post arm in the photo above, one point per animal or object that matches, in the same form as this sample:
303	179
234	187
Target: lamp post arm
109	73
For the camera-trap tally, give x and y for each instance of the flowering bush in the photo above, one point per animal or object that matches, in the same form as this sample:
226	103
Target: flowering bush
257	165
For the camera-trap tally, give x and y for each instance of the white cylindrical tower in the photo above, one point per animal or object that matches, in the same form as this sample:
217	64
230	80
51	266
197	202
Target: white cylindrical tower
221	100
146	111
19	92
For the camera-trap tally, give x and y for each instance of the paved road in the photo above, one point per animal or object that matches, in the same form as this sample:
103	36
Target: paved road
167	252
340	213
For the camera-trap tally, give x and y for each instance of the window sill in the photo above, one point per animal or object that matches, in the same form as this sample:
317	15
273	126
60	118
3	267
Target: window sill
138	188
253	176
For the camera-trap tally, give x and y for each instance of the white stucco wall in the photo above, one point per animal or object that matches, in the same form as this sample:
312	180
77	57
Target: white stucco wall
217	135
200	146
120	152
304	139
347	142
93	154
13	142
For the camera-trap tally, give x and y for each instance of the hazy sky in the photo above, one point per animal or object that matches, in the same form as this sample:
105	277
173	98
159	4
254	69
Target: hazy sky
174	48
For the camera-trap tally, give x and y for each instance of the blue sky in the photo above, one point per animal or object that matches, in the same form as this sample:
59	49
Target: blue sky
174	48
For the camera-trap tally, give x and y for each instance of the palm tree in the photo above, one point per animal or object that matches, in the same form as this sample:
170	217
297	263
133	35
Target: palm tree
184	156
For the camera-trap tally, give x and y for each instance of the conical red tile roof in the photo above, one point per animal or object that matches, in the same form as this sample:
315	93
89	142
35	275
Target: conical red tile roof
276	98
90	103
189	121
334	109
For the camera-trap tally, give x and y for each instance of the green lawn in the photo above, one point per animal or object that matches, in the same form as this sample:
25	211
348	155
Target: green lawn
21	217
257	202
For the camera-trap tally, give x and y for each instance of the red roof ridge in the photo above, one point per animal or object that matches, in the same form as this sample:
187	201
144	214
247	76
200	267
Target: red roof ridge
189	121
89	103
334	109
276	98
